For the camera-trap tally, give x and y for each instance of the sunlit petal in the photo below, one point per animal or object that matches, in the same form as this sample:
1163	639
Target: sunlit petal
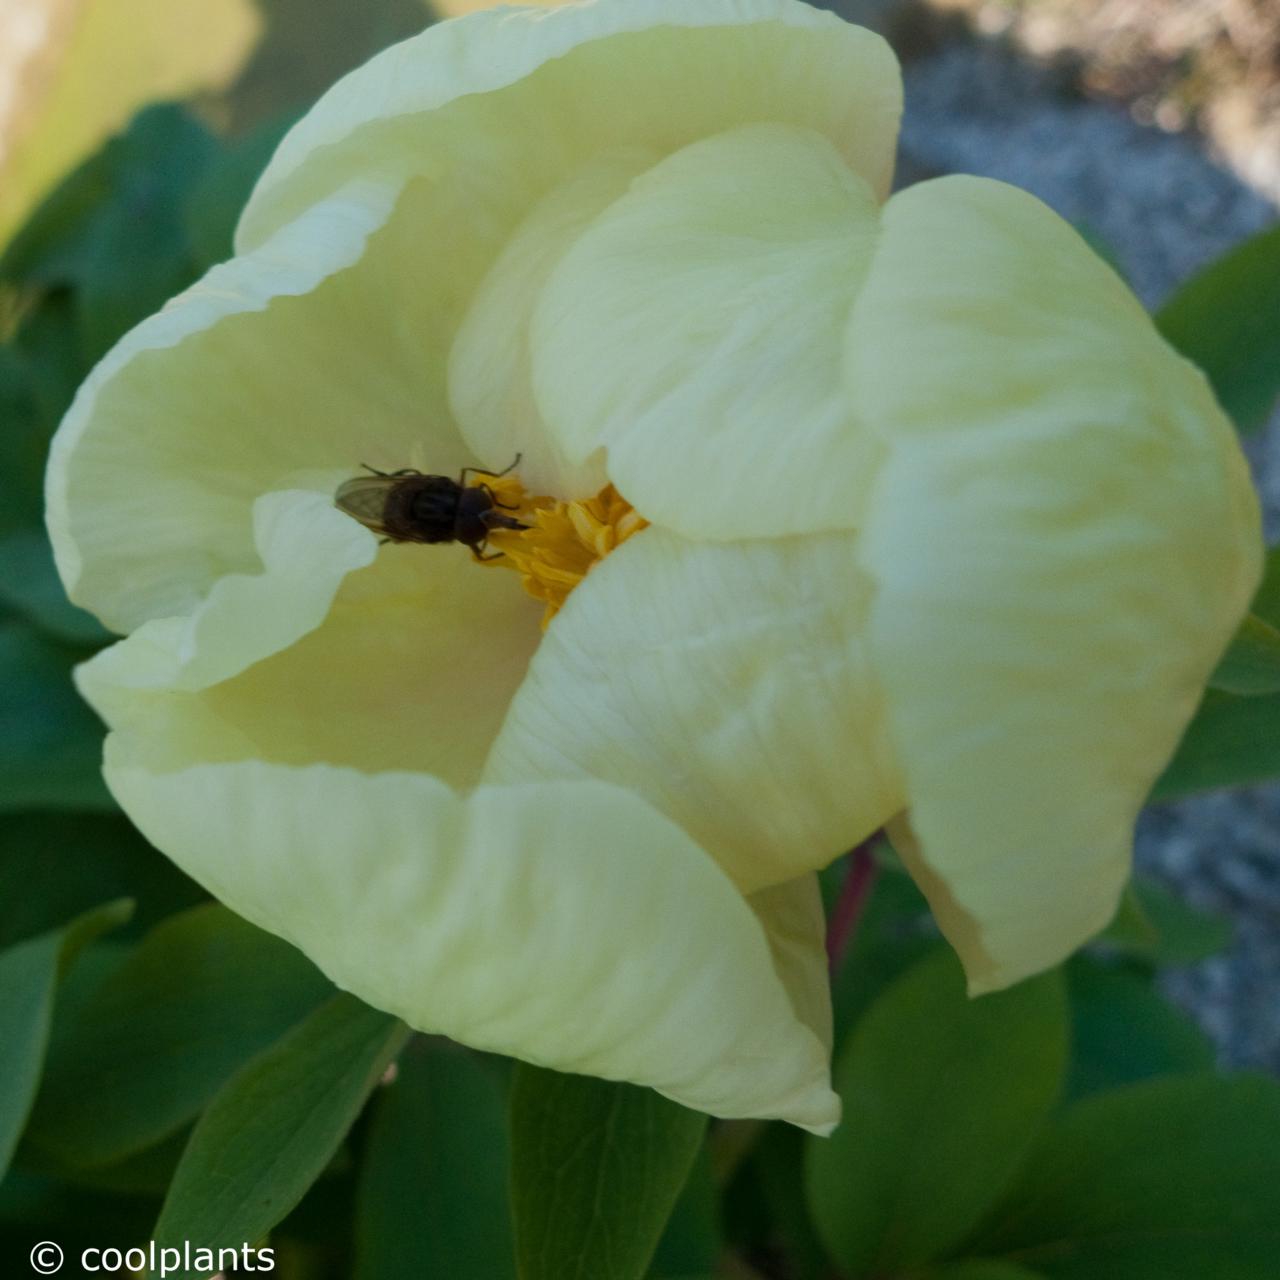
696	331
569	925
1063	538
729	685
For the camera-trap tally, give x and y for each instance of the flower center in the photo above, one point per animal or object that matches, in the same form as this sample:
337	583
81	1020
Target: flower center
564	540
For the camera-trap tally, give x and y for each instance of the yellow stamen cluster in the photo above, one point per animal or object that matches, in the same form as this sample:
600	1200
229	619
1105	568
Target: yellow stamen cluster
564	541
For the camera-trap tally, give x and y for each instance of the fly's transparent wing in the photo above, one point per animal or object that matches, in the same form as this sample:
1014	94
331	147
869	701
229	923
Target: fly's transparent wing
364	498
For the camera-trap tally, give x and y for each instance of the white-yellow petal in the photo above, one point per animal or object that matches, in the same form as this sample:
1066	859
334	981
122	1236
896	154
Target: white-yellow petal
406	662
527	96
728	684
490	365
286	368
566	924
324	344
795	923
1063	538
696	331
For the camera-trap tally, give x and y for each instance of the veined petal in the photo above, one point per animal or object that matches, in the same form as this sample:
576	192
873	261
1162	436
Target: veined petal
795	924
540	92
286	368
324	344
490	366
728	684
1063	538
504	920
696	331
406	662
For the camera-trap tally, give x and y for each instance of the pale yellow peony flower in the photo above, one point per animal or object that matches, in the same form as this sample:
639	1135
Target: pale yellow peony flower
935	523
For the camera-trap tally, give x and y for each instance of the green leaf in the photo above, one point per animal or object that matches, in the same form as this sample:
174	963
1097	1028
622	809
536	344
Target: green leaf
1174	1179
981	1269
778	1165
31	586
1251	665
23	444
114	233
1266	603
48	348
1231	742
690	1244
275	1125
29	974
216	200
943	1097
1186	934
134	253
1158	927
148	1173
147	1050
1124	1030
50	742
56	865
433	1188
45	252
596	1169
36	1208
1226	319
1131	931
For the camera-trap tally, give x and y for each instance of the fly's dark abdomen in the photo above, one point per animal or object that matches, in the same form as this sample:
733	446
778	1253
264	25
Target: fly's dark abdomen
434	510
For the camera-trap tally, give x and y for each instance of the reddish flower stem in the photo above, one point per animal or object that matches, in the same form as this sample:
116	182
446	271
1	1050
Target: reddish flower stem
849	906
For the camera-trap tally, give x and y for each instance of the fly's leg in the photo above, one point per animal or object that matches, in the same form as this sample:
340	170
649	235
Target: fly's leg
387	475
480	471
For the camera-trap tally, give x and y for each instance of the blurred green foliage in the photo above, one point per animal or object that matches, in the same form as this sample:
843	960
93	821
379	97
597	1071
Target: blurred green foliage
178	1074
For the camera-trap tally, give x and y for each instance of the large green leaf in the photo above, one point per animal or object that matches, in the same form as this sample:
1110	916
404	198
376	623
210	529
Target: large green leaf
1227	320
1266	603
47	349
24	441
1175	1179
30	585
56	865
777	1163
1184	934
147	1174
981	1269
1231	742
29	975
943	1097
215	202
135	253
1251	665
690	1244
1155	926
34	1207
276	1124
50	742
433	1190
596	1169
147	1050
1123	1030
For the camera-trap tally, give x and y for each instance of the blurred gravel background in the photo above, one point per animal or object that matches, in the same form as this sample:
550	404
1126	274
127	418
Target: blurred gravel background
1164	208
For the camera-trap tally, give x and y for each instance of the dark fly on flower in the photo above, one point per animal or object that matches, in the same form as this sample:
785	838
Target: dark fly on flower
407	506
